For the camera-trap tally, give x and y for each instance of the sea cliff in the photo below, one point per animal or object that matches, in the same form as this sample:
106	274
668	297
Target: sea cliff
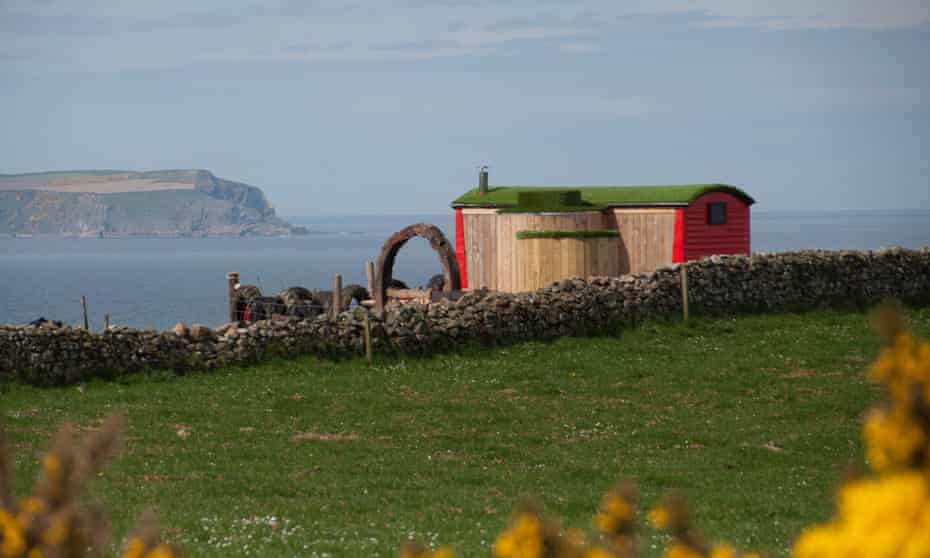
113	203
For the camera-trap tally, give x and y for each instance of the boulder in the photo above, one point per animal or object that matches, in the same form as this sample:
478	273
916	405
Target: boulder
200	332
180	329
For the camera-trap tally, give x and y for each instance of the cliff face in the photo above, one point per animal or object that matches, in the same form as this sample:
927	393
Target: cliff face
123	203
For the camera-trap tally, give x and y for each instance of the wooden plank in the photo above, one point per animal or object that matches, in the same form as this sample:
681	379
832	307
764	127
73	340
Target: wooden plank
410	294
566	258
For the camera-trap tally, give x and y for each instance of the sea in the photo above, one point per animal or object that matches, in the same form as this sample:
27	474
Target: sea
157	282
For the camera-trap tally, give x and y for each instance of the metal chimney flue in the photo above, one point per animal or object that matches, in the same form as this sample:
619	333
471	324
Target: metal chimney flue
483	180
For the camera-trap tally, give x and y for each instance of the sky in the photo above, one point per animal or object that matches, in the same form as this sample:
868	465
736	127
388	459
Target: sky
367	107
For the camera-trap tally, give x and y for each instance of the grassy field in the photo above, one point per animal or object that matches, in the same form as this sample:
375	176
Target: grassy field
754	418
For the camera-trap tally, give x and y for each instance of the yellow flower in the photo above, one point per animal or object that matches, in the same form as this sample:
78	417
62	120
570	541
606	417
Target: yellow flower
52	466
659	518
522	540
57	531
618	507
598	552
14	540
160	551
443	552
605	523
681	551
818	542
892	439
32	505
722	551
876	518
134	548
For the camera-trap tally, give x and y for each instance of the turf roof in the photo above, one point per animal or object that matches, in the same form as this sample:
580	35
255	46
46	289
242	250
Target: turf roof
603	196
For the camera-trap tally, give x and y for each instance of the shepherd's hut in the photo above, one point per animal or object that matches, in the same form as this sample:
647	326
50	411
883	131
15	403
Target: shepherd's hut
521	238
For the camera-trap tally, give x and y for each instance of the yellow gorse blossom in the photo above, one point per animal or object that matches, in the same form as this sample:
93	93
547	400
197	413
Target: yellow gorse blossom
136	548
659	518
524	538
898	436
892	439
614	513
52	522
875	518
681	551
598	552
52	467
13	542
57	531
722	551
889	515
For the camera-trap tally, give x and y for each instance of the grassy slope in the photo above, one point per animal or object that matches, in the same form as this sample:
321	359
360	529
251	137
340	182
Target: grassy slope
752	417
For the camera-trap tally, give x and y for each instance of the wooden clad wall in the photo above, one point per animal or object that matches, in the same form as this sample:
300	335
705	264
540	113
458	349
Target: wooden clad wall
507	277
646	238
481	247
541	261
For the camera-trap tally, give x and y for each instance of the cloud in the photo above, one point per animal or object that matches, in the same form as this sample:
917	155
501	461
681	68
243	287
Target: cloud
116	34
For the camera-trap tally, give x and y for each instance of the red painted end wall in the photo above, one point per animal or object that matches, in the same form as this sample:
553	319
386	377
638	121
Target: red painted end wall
678	243
460	247
702	239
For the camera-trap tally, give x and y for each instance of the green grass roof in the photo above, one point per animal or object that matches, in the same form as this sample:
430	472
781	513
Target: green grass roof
604	196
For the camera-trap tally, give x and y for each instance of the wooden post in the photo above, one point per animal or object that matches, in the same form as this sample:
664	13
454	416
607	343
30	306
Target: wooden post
84	305
368	353
684	291
232	279
370	274
337	294
106	322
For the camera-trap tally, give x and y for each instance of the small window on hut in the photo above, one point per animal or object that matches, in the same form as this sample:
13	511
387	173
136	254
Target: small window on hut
717	213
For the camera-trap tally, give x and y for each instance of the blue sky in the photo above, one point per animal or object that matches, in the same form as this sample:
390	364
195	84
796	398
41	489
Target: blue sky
388	106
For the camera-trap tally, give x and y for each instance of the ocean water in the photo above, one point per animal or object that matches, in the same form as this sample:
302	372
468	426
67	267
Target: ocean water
154	283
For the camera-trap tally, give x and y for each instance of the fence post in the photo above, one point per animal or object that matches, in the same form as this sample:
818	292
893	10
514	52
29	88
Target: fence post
232	279
337	294
684	291
370	274
84	306
368	352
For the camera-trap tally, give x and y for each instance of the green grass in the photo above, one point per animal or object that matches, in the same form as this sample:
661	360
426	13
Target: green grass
754	418
507	196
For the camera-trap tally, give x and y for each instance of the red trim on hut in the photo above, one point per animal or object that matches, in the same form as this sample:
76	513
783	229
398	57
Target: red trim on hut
678	243
460	247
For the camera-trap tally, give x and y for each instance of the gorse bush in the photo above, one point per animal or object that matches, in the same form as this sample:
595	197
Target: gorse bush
888	514
882	514
54	521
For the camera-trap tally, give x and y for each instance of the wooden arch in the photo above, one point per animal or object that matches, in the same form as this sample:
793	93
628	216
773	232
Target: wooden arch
385	267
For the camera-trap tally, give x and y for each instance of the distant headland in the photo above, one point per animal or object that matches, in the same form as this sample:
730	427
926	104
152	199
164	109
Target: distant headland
119	203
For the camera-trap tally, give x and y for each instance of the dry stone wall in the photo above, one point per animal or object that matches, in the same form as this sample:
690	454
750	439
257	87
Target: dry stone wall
717	285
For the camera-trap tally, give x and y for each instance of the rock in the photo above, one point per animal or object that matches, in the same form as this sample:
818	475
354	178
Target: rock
200	332
223	329
180	329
